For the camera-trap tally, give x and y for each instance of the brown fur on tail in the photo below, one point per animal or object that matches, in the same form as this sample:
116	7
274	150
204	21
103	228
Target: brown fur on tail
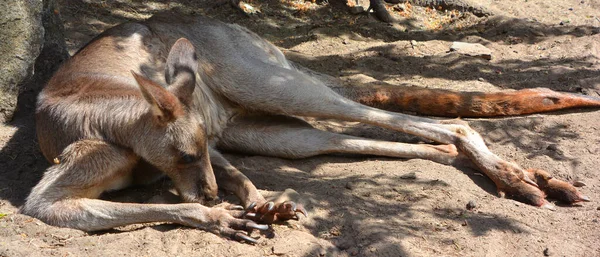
446	103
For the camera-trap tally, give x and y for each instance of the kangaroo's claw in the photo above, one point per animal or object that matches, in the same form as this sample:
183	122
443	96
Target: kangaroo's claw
257	226
271	212
549	206
268	207
242	237
236	208
233	224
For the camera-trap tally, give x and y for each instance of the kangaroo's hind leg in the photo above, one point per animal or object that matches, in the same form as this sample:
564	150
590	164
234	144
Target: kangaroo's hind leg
292	138
291	92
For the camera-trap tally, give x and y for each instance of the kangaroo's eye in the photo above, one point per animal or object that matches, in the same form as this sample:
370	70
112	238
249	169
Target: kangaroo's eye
187	158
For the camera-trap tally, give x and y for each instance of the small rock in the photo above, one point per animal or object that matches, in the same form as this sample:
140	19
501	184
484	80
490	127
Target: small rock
248	9
471	205
538	33
400	7
344	243
598	208
547	252
350	185
481	79
411	175
357	9
278	251
322	252
552	147
345	41
470	49
579	183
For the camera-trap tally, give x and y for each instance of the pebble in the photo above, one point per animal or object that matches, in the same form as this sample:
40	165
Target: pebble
579	183
552	147
344	243
411	175
471	49
357	9
350	185
547	252
471	205
322	252
400	7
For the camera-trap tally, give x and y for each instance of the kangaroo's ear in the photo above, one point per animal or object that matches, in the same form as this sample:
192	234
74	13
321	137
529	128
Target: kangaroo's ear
164	106
182	66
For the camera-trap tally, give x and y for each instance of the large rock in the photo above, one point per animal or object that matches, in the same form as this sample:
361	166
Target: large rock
54	51
21	37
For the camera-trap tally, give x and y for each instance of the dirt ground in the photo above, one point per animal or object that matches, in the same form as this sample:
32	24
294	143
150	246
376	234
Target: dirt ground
370	206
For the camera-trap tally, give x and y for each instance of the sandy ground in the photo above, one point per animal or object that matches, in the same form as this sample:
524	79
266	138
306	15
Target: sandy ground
364	206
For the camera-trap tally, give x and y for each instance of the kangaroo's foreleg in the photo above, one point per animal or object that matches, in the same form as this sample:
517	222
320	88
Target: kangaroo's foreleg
66	195
232	180
291	138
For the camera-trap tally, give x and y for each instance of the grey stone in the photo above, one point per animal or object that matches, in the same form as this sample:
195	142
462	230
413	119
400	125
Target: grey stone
547	252
357	9
54	51
472	49
410	175
21	37
471	205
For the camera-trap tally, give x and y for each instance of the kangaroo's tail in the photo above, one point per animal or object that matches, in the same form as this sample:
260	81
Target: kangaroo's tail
445	103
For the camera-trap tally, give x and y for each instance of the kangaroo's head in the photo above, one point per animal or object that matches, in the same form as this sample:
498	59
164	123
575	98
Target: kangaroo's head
175	140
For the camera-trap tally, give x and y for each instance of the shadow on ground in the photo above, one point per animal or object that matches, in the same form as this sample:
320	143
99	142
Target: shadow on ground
23	164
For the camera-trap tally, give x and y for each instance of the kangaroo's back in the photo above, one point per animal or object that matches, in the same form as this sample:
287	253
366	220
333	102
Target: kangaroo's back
231	56
94	90
217	42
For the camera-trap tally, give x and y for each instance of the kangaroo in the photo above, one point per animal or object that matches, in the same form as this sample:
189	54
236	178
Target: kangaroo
221	87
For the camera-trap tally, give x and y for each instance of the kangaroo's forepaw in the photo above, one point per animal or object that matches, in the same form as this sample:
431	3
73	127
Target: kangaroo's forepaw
271	212
555	188
231	223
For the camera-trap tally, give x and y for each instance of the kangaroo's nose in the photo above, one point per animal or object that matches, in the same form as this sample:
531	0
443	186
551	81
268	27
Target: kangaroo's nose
209	191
